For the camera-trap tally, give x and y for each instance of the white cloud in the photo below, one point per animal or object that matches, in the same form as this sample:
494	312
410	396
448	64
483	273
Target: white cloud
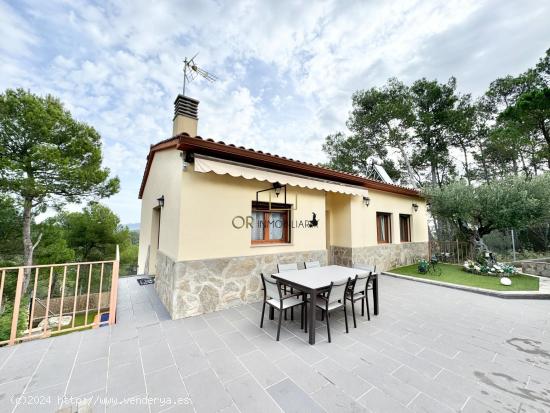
286	69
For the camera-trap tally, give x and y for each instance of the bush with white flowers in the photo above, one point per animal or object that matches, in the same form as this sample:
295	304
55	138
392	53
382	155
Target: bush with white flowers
484	269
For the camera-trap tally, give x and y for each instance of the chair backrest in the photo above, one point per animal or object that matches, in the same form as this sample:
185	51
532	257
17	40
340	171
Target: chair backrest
360	282
272	288
312	264
287	267
366	267
337	291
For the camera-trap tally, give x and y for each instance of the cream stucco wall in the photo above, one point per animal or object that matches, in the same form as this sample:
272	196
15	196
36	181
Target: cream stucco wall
165	178
338	207
210	203
364	218
354	225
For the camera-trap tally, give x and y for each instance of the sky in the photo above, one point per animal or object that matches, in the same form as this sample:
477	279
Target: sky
286	69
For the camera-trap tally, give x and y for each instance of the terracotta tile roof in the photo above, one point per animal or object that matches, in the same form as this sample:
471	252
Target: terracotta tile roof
220	149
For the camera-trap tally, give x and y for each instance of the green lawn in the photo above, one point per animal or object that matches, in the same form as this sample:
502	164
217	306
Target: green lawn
454	274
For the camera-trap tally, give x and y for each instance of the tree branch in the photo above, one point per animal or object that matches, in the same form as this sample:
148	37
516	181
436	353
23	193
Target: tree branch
37	241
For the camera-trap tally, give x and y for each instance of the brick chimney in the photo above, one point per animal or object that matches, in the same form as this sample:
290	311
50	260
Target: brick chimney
185	115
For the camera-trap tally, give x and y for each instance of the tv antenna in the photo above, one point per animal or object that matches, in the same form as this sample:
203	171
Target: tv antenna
191	71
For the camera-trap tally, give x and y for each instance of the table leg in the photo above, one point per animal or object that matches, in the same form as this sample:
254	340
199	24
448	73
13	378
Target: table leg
375	294
311	315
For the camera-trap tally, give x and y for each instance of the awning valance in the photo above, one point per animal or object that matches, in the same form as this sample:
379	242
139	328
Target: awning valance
222	167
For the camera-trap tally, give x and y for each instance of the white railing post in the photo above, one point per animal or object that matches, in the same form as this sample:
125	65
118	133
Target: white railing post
16	305
114	288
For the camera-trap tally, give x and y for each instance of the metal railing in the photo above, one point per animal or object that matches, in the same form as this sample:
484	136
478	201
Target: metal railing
45	300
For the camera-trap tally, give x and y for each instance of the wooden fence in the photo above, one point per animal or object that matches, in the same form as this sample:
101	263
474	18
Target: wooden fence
29	293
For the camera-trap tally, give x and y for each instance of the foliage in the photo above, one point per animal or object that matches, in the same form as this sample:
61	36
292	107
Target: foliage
48	158
90	235
433	135
514	202
6	318
423	265
484	269
10	232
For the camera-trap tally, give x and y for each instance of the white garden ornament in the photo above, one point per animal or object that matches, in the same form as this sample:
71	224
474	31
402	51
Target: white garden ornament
505	281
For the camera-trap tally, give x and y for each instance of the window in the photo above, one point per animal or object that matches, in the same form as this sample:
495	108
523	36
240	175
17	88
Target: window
405	227
383	225
270	226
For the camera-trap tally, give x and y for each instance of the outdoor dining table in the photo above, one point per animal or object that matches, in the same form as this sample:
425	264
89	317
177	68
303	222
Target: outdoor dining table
314	281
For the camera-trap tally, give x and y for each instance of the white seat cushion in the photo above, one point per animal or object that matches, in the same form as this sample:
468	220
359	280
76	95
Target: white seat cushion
287	302
358	295
331	306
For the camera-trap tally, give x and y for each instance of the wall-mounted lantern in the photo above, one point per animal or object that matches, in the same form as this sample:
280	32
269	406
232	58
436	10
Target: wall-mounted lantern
277	187
415	207
161	201
366	201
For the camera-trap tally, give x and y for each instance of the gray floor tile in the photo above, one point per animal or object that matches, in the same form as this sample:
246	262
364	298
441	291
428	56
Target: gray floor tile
249	396
305	351
263	370
46	399
220	324
87	377
123	352
347	381
190	359
9	393
225	364
390	385
427	404
293	399
166	388
126	380
207	392
207	340
332	399
149	334
156	356
275	350
379	402
237	343
302	374
195	323
432	388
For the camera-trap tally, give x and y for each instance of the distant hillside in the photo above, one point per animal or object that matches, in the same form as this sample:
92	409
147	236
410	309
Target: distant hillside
133	227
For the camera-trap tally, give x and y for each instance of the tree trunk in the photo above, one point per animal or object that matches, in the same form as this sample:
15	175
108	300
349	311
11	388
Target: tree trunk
407	163
546	134
466	164
28	248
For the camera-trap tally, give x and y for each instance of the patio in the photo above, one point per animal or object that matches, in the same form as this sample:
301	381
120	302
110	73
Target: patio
432	349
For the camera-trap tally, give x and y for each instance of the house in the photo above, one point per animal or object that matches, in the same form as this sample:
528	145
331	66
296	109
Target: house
214	216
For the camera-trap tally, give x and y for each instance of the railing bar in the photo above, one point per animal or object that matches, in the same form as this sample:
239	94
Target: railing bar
62	297
33	299
88	295
16	305
58	265
46	324
100	290
2	286
75	292
114	288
